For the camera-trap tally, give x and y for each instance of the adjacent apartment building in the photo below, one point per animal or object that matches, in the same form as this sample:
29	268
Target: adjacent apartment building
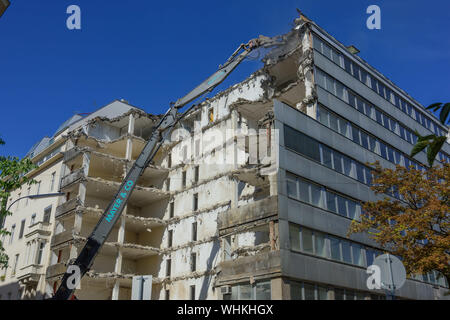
250	199
32	220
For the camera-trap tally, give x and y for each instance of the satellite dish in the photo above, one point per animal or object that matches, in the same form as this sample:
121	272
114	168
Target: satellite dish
392	272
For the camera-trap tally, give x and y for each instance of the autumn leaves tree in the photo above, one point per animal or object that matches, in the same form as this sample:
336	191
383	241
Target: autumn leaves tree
414	224
416	227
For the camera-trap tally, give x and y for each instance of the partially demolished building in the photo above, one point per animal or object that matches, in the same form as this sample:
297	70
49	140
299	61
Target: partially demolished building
253	196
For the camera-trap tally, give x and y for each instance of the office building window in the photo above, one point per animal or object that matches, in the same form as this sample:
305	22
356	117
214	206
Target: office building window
312	291
363	106
193	261
16	262
370	81
171	209
335	249
246	292
13	229
370	256
52	183
292	189
38	187
346	253
320	248
194	231
316	195
357	255
28	253
168	267
28	194
197	148
307	241
195	202
294	237
40	252
185	153
169	160
22	228
183	179
168	184
47	214
309	291
33	219
299	142
350	295
169	238
260	290
196	174
330	247
211	115
263	290
192	292
322	293
338	294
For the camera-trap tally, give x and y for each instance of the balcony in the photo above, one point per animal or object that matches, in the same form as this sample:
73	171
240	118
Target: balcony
125	280
262	265
61	238
262	209
67	207
56	270
73	153
130	251
133	223
39	229
142	196
72	177
30	274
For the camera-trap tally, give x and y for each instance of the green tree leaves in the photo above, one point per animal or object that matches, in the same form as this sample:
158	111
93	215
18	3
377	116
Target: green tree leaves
432	143
12	176
445	111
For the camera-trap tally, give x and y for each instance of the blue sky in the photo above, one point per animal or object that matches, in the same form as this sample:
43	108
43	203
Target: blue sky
153	52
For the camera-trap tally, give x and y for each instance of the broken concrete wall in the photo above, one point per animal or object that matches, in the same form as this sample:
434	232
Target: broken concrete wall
103	131
218	188
157	209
